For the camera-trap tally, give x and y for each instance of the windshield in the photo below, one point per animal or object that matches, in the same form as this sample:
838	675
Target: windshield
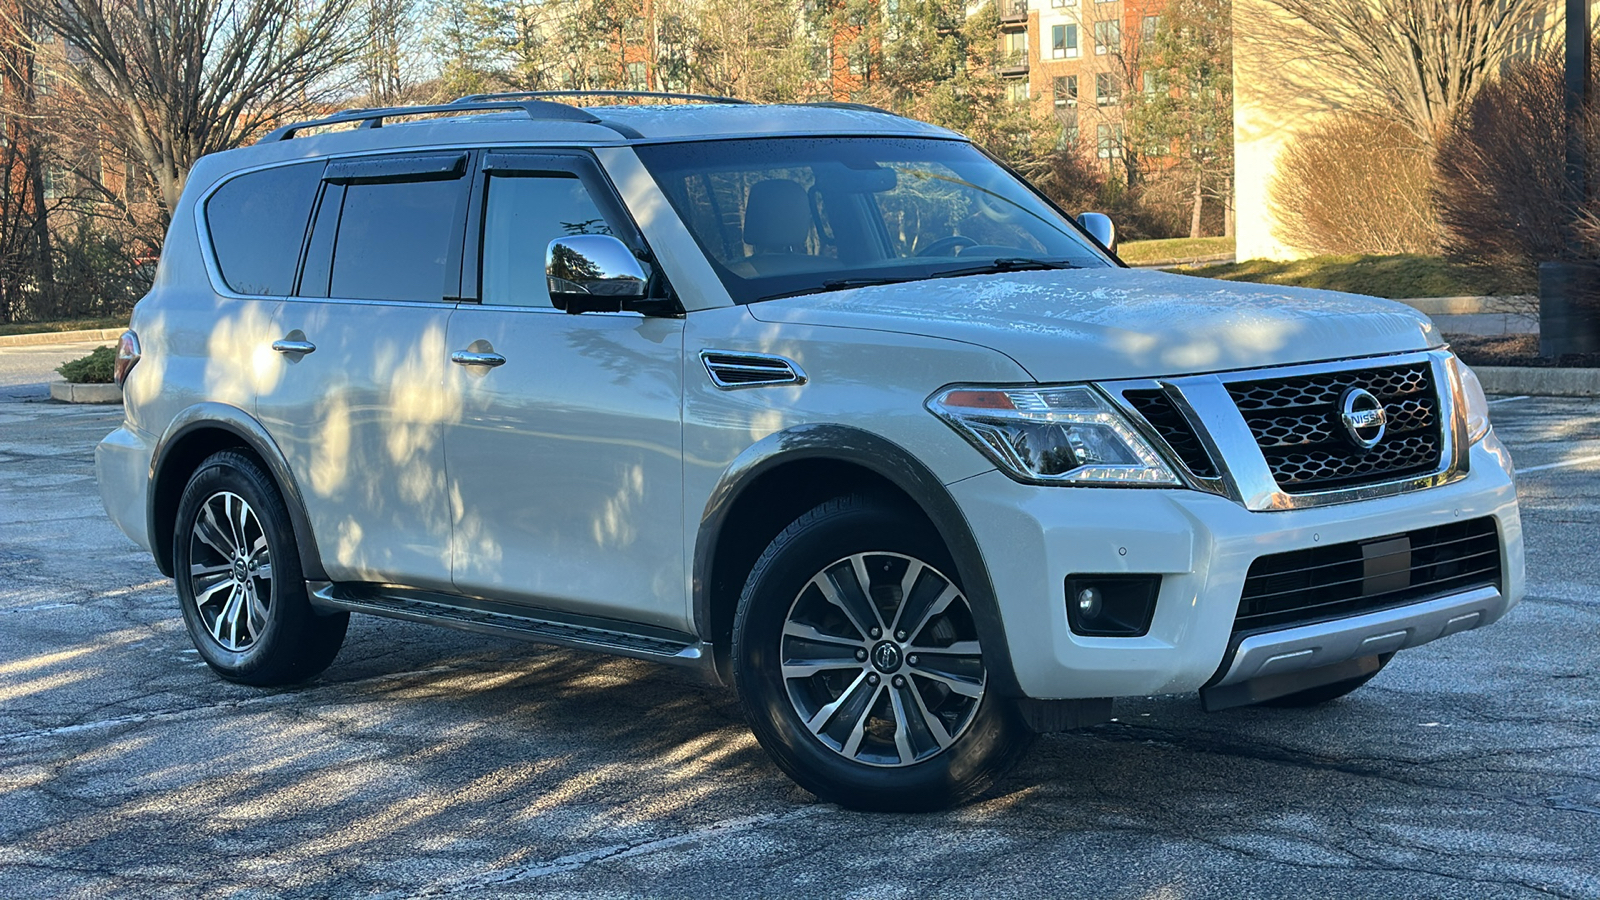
786	216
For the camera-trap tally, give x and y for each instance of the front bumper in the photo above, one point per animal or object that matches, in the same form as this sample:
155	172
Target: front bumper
122	468
1202	545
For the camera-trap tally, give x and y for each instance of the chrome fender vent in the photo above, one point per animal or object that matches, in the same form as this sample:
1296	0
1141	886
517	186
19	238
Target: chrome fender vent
731	370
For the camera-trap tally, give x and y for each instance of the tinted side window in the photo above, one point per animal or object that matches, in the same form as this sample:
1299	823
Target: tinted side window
257	222
394	241
521	217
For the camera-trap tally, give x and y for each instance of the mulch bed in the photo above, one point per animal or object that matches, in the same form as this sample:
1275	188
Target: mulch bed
1515	350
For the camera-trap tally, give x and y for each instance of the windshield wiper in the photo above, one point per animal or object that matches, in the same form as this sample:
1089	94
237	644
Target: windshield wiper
838	284
1007	264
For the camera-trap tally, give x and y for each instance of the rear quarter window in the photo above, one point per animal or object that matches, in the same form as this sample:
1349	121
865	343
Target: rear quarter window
257	222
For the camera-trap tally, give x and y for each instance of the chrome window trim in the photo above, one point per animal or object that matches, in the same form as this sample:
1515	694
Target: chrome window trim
1246	478
203	226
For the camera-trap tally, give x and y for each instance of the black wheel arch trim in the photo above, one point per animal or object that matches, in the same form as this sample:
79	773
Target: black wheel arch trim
895	464
211	415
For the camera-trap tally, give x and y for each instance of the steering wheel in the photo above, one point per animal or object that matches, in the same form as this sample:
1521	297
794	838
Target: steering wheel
957	242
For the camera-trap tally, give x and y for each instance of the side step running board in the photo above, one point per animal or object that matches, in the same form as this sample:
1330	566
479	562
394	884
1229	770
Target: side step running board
487	617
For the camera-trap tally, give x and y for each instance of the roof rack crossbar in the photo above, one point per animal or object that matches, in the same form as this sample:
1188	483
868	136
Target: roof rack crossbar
373	118
653	95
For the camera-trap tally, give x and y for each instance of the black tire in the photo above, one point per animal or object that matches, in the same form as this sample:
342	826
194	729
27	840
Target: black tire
1327	692
221	588
978	738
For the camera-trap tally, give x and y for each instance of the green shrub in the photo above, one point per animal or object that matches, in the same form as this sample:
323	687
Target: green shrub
96	368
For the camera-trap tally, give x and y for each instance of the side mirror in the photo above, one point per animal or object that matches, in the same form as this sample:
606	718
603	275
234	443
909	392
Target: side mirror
1101	226
593	273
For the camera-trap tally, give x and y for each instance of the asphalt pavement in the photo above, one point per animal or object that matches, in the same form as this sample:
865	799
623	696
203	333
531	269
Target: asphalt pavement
433	763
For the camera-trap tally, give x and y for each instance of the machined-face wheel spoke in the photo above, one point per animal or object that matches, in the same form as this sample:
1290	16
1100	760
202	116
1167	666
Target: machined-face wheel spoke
859	616
255	620
958	685
212	534
883	696
928	723
827	713
207	589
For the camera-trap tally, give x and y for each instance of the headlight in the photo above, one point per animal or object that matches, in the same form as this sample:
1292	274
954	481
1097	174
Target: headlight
1057	435
1477	404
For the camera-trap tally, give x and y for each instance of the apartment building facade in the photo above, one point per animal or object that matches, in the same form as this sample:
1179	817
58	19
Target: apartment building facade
1077	61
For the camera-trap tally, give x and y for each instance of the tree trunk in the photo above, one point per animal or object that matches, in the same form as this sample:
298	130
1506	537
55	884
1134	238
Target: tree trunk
1196	207
43	265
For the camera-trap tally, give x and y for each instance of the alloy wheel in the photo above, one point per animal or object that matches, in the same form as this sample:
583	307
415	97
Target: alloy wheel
881	659
230	571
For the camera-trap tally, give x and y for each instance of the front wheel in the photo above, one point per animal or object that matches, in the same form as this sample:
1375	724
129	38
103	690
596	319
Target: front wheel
858	663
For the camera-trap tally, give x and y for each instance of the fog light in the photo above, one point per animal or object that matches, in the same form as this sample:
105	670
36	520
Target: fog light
1111	605
1088	603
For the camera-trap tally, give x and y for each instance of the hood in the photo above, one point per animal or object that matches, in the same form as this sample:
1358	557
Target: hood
1104	324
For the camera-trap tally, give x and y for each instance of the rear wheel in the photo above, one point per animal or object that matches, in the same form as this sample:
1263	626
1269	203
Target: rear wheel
859	666
239	580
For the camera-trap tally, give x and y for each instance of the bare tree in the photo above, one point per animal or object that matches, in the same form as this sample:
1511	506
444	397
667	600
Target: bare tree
177	79
1187	106
386	64
1414	62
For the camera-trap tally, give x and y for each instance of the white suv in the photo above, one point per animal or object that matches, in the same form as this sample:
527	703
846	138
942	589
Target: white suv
820	401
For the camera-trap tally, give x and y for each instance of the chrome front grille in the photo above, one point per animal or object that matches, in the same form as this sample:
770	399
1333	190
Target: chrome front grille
1296	423
1280	438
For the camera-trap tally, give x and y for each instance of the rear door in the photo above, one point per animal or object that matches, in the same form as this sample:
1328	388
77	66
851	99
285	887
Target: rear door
566	463
358	402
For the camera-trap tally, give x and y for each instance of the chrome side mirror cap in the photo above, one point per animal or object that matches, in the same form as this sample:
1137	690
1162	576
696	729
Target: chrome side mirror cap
593	273
1101	227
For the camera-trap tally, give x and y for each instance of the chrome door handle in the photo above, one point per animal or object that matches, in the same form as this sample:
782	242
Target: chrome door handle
469	358
293	346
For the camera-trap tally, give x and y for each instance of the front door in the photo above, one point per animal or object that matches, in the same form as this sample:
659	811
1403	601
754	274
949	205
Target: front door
566	467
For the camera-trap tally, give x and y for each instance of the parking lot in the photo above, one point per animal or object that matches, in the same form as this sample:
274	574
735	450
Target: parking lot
433	763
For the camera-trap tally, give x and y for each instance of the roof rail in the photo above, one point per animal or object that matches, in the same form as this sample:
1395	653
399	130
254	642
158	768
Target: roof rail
858	107
373	118
654	95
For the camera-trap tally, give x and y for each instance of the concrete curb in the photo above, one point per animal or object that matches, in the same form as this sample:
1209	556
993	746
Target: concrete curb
85	393
60	337
1513	304
1540	382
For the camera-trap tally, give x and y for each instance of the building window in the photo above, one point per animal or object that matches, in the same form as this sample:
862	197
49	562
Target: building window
638	76
1106	90
1017	91
1069	128
1063	41
1151	23
1058	4
1064	88
1017	44
1107	36
1108	141
1152	82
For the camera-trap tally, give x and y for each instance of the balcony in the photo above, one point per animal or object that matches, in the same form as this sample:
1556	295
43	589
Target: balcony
1014	12
1013	64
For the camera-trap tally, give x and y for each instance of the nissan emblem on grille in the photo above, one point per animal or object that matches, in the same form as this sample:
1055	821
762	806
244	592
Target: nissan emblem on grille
1363	417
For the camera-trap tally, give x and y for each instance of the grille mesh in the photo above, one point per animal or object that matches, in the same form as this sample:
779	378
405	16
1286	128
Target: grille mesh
1296	423
1320	583
1157	409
